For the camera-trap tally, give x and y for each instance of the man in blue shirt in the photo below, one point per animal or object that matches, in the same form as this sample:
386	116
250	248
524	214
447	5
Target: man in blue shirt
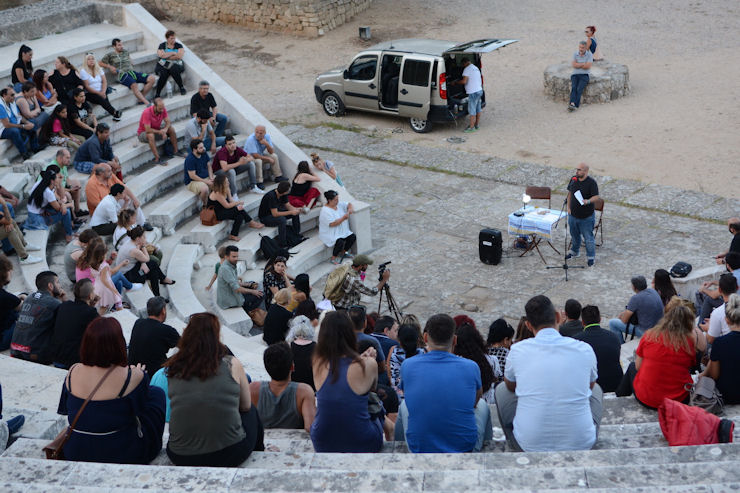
260	146
14	127
95	150
442	410
643	310
198	173
582	60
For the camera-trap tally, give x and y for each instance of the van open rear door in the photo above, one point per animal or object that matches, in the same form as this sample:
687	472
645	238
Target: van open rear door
414	86
481	46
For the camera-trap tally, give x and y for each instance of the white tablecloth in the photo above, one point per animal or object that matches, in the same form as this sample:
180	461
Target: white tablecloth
535	221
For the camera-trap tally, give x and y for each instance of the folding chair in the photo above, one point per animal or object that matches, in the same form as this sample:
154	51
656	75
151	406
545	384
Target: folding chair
599	226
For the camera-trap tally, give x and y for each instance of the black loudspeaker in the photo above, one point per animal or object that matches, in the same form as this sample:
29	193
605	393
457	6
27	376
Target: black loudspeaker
489	246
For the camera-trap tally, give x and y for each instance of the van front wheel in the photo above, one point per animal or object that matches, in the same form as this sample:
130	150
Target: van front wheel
332	104
420	126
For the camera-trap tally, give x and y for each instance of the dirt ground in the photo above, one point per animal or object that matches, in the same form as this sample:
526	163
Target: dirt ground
679	126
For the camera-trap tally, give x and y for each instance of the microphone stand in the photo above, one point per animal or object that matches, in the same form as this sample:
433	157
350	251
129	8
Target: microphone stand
565	265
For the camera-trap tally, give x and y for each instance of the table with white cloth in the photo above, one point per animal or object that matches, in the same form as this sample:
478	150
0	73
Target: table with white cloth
537	223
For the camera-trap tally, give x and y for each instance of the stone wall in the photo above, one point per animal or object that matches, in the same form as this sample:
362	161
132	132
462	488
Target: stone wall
308	18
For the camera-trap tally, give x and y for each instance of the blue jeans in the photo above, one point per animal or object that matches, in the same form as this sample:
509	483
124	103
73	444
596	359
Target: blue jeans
120	282
36	221
220	129
620	328
474	103
6	247
18	137
219	142
585	228
7	335
281	223
578	83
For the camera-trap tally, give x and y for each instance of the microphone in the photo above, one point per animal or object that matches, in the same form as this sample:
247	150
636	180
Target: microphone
574	178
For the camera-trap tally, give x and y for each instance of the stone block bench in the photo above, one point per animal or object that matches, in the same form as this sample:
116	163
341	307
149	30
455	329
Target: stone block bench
687	286
180	268
40	238
607	81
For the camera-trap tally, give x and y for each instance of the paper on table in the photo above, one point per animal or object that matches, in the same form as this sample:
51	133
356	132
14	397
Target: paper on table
579	196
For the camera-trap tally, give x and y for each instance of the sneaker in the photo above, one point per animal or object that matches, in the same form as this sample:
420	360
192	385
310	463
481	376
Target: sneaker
591	262
30	247
147	227
305	210
335	260
78	221
477	128
571	107
161	161
261	186
469	130
180	153
572	255
117	116
183	91
348	255
15	424
280	178
30	260
82	212
135	286
256	189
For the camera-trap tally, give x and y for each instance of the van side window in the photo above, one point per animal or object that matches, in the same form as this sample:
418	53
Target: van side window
416	72
363	68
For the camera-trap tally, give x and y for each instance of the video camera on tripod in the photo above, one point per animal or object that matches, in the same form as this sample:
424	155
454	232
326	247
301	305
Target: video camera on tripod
381	270
392	307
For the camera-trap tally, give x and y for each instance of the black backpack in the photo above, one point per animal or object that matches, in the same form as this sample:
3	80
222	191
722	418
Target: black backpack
681	269
270	248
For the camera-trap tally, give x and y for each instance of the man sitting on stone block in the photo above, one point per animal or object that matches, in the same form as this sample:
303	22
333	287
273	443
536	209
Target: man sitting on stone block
442	409
198	173
645	306
733	225
572	324
96	150
199	127
717	325
260	146
118	62
280	402
549	399
151	338
155	125
99	186
230	291
606	346
204	100
230	160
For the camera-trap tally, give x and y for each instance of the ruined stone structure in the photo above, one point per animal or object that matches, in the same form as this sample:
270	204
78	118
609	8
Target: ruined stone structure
608	81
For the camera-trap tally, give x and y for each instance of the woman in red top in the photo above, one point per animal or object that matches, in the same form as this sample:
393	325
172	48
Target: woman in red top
662	361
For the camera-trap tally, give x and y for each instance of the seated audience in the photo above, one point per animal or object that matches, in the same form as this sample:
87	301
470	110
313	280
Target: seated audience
10	304
274	278
358	315
733	225
155	125
227	208
124	422
80	116
30	107
572	324
717	325
204	100
105	216
522	330
642	312
606	346
280	402
343	379
461	320
72	319
140	266
44	209
118	62
151	338
470	345
499	340
664	286
334	229
170	63
99	186
213	422
724	366
65	79
74	250
663	359
301	338
198	173
302	194
17	129
278	316
230	291
460	422
11	201
71	186
708	296
386	332
275	209
96	85
10	230
230	160
406	348
45	92
96	150
35	324
260	146
700	337
22	68
549	399
199	127
327	167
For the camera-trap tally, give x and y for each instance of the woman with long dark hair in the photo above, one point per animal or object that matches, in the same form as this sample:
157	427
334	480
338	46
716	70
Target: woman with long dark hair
470	345
44	209
226	207
343	379
663	284
45	92
212	420
30	107
140	267
302	194
56	130
407	347
22	70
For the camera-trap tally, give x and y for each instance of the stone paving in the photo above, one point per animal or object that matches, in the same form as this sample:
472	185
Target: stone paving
426	221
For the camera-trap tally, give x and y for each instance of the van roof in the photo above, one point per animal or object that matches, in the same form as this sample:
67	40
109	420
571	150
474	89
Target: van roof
434	47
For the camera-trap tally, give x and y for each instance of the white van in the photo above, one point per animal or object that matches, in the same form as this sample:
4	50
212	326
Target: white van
409	78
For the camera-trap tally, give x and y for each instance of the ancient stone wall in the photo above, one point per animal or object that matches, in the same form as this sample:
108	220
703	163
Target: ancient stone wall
308	18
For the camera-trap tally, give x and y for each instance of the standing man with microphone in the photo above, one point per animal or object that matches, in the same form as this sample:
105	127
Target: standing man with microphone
582	193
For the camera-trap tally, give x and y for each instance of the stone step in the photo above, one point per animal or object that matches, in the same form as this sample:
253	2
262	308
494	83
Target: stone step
32	386
40	238
15	183
180	267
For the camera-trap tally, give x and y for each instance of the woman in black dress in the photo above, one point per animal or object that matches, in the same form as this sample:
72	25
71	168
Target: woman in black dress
224	206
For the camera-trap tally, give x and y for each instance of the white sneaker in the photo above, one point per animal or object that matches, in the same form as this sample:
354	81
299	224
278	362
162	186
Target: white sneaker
30	260
135	286
305	209
30	247
235	197
256	189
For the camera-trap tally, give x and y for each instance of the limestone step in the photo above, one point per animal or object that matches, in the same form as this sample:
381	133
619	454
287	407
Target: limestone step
32	386
180	267
39	425
29	272
15	183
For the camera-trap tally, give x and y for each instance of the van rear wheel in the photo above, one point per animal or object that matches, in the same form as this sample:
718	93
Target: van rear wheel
420	126
333	105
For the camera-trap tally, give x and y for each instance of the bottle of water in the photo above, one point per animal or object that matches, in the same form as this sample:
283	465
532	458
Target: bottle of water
169	89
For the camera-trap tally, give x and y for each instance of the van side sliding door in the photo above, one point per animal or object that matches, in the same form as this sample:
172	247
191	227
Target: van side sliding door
414	86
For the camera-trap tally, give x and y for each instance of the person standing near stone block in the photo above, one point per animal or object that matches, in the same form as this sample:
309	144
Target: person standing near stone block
582	60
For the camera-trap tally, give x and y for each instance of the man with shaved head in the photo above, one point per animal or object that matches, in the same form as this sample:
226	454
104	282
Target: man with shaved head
260	146
733	224
582	193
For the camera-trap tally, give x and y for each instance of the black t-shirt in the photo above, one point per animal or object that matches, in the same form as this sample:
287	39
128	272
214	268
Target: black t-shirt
197	103
64	84
8	303
73	317
27	71
73	112
150	341
302	355
271	201
607	348
276	324
725	350
735	243
588	188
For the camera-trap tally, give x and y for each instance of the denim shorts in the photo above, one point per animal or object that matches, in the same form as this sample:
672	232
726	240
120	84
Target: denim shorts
474	102
132	77
84	166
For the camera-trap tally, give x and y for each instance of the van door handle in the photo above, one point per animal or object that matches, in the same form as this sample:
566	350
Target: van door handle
404	91
372	86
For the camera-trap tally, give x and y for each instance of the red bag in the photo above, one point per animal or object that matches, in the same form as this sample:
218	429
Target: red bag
688	425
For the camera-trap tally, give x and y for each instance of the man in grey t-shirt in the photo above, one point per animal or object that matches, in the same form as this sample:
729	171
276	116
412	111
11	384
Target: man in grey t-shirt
645	305
200	128
582	60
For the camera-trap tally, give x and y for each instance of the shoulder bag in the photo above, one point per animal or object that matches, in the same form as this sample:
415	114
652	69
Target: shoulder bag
55	449
208	216
704	394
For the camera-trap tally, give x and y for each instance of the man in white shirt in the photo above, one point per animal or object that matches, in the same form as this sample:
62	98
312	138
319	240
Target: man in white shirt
473	83
105	217
717	325
549	400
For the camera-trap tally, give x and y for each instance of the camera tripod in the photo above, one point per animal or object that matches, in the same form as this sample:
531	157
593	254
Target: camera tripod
392	307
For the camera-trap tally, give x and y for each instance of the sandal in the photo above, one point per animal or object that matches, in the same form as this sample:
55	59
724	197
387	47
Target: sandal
172	281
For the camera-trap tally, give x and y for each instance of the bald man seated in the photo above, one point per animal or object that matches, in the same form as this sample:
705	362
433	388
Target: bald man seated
260	146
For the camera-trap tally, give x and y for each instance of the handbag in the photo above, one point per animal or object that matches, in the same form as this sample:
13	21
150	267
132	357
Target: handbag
258	316
208	216
704	394
55	449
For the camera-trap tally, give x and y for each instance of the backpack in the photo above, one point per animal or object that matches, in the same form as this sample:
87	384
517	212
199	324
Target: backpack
271	249
681	269
293	238
333	289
